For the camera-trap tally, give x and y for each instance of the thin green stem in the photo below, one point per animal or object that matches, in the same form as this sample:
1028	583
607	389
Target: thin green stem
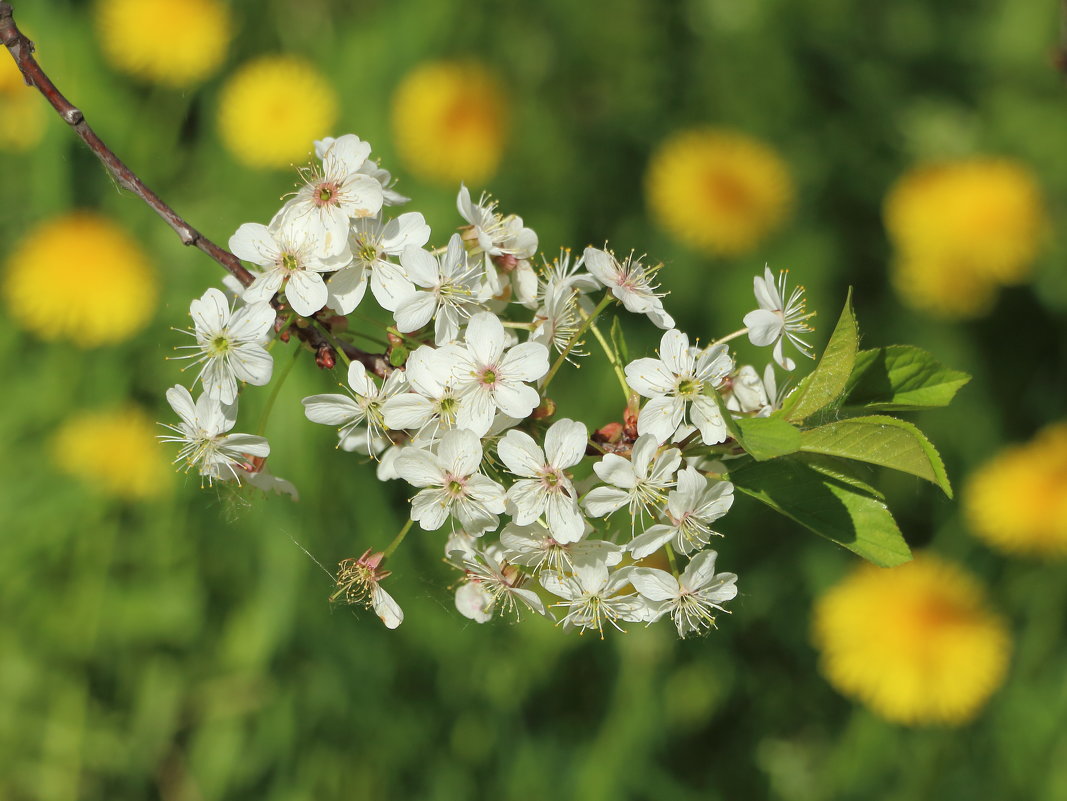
726	339
670	558
607	299
399	538
278	381
612	357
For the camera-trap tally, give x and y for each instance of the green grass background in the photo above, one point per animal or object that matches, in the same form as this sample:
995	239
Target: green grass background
185	650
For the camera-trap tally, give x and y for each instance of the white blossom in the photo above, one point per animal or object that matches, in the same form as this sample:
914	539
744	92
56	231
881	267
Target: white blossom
493	584
533	546
390	197
453	484
691	598
749	393
363	404
776	320
290	254
203	434
679	382
359	581
692	506
630	282
448	294
335	192
372	242
489	376
433	404
591	596
561	300
640	482
229	344
506	244
543	487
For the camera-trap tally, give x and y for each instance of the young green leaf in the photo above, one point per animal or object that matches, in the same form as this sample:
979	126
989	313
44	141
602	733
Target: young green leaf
767	437
826	384
880	440
901	378
830	508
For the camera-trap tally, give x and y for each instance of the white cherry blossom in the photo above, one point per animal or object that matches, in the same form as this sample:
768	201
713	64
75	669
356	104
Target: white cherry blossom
453	484
591	596
229	344
432	404
489	376
291	255
491	585
749	393
640	482
630	282
534	547
691	598
677	383
776	319
359	582
506	244
448	293
371	167
335	192
692	507
372	241
543	487
363	404
203	435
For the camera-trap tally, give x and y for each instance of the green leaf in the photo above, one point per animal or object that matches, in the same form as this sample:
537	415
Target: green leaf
767	437
831	508
618	341
880	440
901	378
847	471
825	385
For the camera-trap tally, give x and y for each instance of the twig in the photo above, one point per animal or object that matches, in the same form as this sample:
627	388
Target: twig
21	50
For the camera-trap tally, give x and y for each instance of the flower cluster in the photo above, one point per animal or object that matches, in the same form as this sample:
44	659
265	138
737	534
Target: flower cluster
538	513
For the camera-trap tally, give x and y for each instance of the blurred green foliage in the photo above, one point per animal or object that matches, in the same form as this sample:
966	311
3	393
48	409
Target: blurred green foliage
184	649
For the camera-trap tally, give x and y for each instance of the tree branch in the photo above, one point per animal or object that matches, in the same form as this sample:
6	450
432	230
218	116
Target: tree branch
21	50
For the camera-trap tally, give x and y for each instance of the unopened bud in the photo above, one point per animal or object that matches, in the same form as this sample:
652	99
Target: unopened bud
325	357
544	410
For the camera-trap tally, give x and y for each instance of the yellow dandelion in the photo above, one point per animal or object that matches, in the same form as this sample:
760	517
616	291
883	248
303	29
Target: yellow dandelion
175	43
943	285
116	452
978	222
915	643
450	122
272	110
21	109
1017	501
718	191
79	278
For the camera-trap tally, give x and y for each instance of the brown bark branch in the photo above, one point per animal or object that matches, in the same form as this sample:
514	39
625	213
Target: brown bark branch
21	50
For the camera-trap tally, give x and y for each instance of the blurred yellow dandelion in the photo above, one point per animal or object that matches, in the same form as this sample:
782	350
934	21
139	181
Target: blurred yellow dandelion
450	122
1017	501
175	43
975	223
718	191
21	109
943	285
79	278
273	108
915	643
116	452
